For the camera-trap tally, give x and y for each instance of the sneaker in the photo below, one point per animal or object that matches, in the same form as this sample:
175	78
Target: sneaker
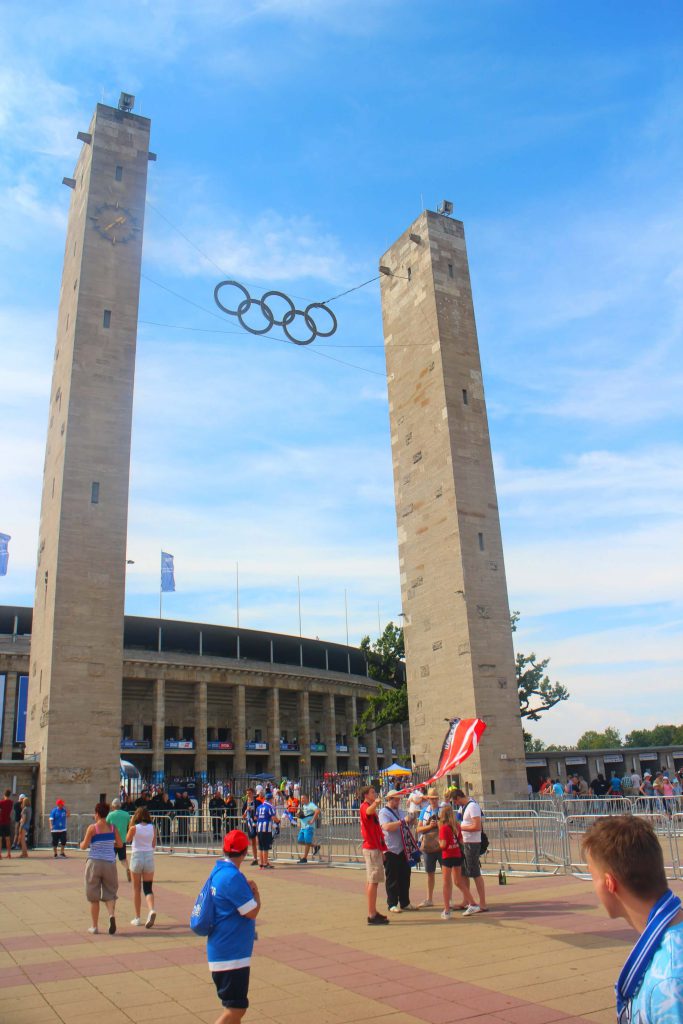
254	863
316	851
62	854
55	855
269	867
378	919
425	903
395	910
472	909
302	860
445	915
93	930
112	925
151	918
136	922
410	907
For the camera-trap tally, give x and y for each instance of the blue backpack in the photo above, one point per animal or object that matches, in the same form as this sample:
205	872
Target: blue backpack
203	916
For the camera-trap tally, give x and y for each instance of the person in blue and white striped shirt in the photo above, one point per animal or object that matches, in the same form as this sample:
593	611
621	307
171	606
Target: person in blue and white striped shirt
266	817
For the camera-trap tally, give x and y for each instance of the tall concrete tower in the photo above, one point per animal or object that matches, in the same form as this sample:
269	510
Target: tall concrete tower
459	654
75	683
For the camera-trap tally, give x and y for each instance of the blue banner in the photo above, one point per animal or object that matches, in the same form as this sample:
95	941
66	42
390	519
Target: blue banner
167	573
4	553
22	707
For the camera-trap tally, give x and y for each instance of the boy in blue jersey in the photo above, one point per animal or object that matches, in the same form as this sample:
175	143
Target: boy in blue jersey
58	823
265	819
231	942
626	864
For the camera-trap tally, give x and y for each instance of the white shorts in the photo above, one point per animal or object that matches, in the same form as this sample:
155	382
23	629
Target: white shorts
142	862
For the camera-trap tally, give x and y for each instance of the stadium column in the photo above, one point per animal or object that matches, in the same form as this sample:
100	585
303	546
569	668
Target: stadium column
304	734
385	734
330	727
372	751
159	728
273	717
76	664
200	706
239	728
458	642
351	736
9	723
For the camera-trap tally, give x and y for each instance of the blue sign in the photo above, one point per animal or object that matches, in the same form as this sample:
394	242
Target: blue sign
4	553
22	707
167	573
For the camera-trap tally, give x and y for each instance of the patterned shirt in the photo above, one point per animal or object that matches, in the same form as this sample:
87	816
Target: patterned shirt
659	1000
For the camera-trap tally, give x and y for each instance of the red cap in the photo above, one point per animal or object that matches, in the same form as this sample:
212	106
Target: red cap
235	842
60	803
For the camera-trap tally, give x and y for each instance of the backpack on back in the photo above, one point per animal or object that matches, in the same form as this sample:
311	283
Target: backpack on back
203	916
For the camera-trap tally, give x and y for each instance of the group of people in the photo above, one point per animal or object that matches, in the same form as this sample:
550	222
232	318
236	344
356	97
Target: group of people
449	834
265	811
106	841
15	823
664	785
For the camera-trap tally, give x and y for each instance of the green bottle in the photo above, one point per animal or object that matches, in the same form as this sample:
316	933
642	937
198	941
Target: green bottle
502	877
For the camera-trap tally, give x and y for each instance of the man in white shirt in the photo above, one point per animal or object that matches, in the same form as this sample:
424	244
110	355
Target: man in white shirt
471	845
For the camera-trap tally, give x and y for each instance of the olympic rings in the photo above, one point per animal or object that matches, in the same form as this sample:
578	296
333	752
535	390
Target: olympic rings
287	319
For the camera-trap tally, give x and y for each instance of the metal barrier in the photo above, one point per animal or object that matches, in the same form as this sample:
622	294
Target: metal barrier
542	836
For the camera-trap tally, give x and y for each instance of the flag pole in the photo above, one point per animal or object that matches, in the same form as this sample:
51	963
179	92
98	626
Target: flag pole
346	615
298	587
161	582
237	580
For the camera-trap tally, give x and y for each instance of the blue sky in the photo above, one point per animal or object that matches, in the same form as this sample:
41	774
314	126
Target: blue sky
297	139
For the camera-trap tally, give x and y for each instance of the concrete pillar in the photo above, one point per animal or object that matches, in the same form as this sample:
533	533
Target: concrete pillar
351	716
273	731
158	725
239	728
200	718
304	733
11	683
372	752
330	731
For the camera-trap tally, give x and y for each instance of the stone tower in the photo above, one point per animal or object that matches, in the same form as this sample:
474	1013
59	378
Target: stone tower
459	653
74	707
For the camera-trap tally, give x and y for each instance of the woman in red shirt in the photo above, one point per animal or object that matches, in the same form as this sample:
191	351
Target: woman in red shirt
451	851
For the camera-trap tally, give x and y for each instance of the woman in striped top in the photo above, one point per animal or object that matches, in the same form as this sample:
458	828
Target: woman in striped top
101	840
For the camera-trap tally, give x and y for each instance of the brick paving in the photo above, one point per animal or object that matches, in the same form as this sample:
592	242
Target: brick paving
545	954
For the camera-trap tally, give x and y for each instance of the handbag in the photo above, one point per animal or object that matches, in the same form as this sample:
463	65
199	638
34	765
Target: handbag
429	841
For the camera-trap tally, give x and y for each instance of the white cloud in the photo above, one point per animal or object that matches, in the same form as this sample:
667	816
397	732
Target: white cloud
637	567
270	247
594	486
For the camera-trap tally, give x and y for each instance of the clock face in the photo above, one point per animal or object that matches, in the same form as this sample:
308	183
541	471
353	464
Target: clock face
115	223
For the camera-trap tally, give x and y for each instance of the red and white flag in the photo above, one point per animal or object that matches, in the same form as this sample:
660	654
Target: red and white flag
460	742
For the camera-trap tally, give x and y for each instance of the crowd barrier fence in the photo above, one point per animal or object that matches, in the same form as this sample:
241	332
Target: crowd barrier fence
541	837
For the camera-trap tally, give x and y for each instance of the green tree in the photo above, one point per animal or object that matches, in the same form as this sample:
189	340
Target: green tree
389	705
536	692
385	654
592	740
660	736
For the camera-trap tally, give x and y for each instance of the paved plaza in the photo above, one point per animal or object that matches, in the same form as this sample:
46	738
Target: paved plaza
544	953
